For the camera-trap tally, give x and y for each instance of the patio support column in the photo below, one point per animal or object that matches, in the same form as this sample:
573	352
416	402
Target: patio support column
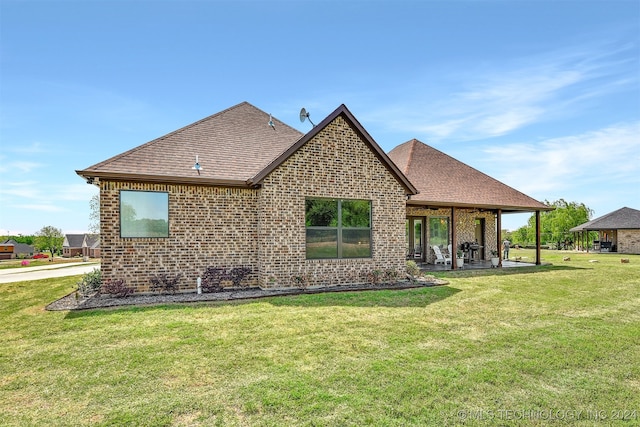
538	258
499	236
587	240
454	239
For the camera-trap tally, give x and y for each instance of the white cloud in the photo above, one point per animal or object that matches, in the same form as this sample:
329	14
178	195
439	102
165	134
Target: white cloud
75	192
606	156
496	101
48	194
23	166
43	207
34	148
21	189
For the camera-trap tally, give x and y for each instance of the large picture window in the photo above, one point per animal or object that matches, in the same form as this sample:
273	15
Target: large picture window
338	228
144	214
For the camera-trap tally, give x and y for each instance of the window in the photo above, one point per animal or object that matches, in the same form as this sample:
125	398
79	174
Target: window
439	231
338	228
144	214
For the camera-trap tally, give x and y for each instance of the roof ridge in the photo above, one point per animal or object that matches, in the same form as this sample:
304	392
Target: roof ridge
410	156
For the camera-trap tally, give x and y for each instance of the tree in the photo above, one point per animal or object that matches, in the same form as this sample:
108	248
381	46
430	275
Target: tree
49	238
520	236
94	214
555	224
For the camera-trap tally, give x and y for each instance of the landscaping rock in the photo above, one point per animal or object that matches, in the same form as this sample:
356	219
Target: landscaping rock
70	302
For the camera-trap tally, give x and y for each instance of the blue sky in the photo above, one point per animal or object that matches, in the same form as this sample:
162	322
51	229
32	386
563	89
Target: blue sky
542	95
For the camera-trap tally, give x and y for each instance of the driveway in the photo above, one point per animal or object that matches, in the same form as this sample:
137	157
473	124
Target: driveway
22	274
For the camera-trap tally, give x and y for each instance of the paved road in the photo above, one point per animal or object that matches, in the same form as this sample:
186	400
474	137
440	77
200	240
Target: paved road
22	274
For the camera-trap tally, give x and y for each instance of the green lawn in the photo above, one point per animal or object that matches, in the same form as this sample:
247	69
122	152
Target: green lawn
552	345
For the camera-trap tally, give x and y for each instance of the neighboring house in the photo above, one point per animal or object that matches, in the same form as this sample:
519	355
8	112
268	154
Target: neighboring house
242	189
6	250
618	231
451	192
10	249
91	246
85	245
72	245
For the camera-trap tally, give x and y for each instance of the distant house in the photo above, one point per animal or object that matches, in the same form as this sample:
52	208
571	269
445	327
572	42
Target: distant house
242	189
72	245
85	245
10	249
91	246
618	231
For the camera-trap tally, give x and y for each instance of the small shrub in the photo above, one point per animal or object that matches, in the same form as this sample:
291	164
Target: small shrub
301	281
117	288
237	275
412	269
212	279
24	263
164	283
374	277
90	283
391	276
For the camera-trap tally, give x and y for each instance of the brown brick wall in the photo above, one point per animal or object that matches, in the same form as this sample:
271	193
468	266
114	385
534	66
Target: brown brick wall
208	226
263	229
335	164
629	241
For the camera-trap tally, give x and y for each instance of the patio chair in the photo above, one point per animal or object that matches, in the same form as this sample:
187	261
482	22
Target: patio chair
440	258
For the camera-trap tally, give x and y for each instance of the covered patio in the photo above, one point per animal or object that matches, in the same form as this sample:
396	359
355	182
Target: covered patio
476	265
458	208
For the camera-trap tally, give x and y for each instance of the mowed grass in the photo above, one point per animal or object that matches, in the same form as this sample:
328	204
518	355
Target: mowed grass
485	349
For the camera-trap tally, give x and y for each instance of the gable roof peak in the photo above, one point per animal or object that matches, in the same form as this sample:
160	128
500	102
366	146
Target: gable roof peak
342	110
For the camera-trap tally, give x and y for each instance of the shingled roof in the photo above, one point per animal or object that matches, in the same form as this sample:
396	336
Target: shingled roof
73	240
232	147
444	181
236	147
622	219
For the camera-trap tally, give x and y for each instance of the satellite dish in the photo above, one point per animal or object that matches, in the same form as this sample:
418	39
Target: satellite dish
305	115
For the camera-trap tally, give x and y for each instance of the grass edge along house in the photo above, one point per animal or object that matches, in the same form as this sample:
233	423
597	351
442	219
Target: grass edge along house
241	189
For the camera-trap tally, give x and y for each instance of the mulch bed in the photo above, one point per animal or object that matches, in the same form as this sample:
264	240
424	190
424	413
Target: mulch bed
70	302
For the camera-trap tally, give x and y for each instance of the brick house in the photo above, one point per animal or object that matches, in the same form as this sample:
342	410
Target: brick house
85	245
618	231
242	189
231	190
10	249
72	245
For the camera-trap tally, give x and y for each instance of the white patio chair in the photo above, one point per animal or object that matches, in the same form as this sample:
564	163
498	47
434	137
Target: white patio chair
440	258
